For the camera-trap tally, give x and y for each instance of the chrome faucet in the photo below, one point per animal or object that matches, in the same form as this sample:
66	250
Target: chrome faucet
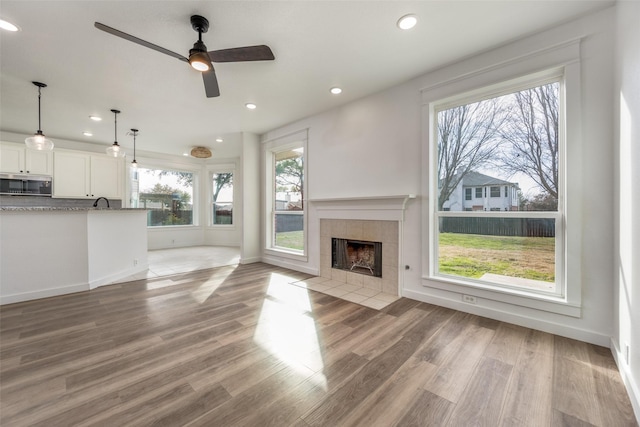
95	204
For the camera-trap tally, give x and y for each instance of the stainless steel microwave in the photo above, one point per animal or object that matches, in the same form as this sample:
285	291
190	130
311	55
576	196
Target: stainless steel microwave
28	185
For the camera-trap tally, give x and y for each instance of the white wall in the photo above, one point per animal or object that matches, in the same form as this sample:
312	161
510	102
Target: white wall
372	147
249	213
627	199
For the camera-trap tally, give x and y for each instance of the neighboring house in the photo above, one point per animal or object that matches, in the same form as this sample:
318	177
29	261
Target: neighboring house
479	192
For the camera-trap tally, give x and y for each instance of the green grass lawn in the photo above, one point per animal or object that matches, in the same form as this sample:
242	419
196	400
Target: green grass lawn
472	255
290	240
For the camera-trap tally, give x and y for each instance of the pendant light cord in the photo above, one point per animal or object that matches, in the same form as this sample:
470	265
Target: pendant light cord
39	123
115	133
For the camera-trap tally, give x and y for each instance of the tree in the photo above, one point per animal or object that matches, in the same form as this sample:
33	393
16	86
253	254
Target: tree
466	140
532	135
220	181
166	194
290	173
184	178
541	202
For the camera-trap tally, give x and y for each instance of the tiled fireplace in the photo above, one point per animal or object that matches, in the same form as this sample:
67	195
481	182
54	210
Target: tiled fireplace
361	233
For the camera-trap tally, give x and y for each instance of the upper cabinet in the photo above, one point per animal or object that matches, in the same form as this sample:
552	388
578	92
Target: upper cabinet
85	175
15	158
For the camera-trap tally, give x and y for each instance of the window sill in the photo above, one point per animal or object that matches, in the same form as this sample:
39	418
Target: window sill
522	298
170	227
227	227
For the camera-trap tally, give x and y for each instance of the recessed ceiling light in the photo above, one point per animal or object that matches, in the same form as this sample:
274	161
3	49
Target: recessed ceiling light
95	118
336	90
251	106
87	133
6	25
185	154
219	140
407	22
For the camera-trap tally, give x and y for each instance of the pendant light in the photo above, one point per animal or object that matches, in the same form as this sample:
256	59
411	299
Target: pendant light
115	150
38	141
134	164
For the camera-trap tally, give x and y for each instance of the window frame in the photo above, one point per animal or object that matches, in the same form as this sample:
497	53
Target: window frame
218	170
177	167
468	194
270	151
561	60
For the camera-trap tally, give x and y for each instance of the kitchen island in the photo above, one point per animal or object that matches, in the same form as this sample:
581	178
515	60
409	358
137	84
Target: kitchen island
55	250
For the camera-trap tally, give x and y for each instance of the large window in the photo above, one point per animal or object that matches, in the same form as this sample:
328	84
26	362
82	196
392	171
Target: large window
166	194
511	137
288	199
222	198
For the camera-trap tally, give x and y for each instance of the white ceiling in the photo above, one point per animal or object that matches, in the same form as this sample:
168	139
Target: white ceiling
317	44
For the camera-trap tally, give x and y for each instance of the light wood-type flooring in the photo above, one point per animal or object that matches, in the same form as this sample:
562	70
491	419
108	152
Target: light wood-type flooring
240	345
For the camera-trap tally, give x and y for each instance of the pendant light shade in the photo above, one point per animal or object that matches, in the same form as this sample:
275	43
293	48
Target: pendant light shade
134	163
38	141
115	150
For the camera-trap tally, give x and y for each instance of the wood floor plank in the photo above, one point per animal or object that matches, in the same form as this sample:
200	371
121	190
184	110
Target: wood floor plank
387	403
240	345
574	390
340	403
506	343
458	367
481	402
427	409
529	394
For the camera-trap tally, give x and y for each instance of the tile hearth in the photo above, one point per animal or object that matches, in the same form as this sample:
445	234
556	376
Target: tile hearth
367	297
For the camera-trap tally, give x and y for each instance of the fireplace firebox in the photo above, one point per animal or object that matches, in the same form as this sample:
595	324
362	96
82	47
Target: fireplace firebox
357	256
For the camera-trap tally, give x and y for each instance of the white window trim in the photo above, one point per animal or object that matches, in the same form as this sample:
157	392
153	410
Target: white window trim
211	170
565	59
147	163
270	148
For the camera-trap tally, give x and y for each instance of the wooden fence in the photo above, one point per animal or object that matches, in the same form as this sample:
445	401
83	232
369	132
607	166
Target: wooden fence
524	227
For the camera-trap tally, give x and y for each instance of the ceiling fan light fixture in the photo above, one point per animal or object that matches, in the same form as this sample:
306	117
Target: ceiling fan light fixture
38	141
200	61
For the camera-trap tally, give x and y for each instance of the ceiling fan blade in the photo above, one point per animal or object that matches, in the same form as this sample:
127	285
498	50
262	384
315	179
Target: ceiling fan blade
247	53
210	83
141	42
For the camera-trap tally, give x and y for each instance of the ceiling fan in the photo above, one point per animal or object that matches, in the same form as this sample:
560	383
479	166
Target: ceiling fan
199	58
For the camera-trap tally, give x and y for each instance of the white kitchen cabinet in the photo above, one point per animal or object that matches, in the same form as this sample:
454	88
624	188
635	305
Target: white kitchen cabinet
15	158
85	175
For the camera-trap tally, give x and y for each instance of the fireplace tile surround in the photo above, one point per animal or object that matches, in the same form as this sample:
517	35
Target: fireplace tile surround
384	231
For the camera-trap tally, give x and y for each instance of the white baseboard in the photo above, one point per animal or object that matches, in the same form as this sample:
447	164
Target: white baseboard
510	317
112	278
633	390
45	293
250	260
290	265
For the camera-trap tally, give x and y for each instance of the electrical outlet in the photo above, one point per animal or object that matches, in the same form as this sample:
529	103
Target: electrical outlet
135	262
626	353
469	299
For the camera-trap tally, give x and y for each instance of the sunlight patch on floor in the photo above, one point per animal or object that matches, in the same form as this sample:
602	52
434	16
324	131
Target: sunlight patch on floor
287	330
206	290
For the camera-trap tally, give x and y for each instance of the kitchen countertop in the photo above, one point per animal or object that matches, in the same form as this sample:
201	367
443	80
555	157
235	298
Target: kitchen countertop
56	208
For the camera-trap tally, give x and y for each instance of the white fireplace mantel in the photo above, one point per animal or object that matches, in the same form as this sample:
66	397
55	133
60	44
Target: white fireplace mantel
386	208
